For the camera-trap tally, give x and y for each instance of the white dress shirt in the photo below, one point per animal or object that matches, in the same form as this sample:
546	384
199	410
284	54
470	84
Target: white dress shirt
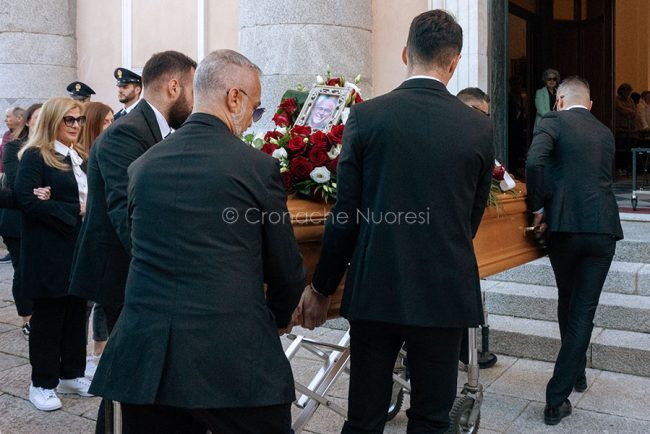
77	161
165	129
127	110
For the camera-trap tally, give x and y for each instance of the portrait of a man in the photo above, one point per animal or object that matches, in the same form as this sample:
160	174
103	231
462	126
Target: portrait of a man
322	112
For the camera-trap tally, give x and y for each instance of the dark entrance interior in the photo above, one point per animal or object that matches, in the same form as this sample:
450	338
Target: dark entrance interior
575	37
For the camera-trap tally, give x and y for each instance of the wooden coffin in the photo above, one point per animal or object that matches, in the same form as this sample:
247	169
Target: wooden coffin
501	242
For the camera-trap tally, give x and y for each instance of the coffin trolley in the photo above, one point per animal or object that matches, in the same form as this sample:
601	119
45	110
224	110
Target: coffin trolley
504	241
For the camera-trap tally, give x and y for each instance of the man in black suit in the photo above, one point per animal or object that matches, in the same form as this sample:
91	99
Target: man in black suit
102	253
569	181
209	226
419	153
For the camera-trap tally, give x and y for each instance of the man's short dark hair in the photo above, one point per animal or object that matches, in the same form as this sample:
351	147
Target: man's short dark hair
473	94
434	39
161	65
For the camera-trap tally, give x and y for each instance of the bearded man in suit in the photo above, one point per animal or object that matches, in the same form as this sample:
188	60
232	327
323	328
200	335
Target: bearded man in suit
103	250
198	330
569	182
420	153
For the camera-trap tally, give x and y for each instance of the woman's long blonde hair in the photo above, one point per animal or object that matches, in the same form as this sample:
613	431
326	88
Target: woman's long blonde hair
47	127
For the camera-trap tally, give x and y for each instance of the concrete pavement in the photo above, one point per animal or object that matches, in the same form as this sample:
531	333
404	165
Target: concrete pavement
514	398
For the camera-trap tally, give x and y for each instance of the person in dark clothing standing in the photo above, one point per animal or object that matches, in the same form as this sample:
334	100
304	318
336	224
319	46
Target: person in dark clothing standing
198	330
569	181
414	280
10	216
57	344
103	252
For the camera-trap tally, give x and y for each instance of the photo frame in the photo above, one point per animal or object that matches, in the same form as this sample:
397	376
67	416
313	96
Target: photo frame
323	107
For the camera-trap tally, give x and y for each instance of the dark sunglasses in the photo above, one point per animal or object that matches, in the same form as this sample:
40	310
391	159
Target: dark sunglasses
551	79
258	112
485	113
70	120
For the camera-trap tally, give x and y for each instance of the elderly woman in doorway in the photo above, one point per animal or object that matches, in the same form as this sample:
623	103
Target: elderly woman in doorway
545	96
57	342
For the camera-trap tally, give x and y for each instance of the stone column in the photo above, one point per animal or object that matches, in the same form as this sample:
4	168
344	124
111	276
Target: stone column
292	41
472	15
38	51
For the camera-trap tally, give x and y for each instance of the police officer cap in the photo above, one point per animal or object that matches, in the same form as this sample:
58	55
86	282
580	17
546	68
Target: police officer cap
124	77
79	90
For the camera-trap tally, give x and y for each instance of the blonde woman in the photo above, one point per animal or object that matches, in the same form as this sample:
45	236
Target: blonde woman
57	347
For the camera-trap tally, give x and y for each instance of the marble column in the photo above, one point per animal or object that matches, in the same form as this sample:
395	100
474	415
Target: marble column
292	41
38	51
472	15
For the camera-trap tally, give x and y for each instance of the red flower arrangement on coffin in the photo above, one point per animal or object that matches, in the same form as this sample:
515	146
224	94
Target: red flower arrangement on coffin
502	182
308	158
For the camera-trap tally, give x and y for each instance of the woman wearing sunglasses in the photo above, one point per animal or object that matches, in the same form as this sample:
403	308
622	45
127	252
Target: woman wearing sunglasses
545	96
57	347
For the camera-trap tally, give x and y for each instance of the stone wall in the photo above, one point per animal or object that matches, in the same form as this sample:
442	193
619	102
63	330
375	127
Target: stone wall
292	41
38	53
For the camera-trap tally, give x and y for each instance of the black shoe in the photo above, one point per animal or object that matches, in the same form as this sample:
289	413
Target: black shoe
553	415
27	328
5	259
581	383
486	360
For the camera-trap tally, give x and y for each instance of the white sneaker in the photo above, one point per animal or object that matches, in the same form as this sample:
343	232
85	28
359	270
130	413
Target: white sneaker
78	385
44	399
91	366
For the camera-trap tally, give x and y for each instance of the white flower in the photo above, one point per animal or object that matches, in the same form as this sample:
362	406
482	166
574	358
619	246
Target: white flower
334	152
351	85
281	130
279	153
320	80
320	175
260	135
344	115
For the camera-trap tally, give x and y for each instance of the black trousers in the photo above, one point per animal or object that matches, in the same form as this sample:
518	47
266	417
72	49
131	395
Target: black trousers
580	263
159	419
433	366
57	342
112	313
23	303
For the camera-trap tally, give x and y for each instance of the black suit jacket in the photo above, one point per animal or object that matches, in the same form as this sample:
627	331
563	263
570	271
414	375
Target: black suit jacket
119	114
101	260
416	150
49	227
196	329
569	173
10	216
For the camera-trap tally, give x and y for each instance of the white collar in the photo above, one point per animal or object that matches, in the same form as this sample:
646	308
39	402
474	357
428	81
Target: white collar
165	129
576	106
61	148
128	109
425	76
68	151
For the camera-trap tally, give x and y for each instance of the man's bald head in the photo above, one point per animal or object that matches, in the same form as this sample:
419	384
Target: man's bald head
573	91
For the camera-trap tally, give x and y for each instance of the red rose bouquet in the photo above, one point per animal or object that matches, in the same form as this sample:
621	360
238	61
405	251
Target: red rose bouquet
308	158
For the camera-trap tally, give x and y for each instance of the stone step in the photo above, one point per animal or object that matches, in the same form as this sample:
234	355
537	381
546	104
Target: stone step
623	277
636	245
612	350
615	311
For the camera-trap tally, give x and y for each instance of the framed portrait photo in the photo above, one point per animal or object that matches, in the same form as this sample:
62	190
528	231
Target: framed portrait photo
323	107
